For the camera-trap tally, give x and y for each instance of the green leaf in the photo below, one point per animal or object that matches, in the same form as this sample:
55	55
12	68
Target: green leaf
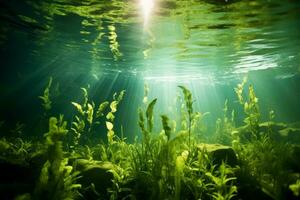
113	106
109	125
90	113
101	109
149	115
166	127
46	101
121	95
85	96
78	107
110	116
142	121
188	99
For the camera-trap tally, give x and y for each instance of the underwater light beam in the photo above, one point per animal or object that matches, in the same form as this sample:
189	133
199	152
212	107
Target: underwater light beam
147	6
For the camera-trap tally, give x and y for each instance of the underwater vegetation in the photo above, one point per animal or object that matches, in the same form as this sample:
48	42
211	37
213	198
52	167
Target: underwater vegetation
256	160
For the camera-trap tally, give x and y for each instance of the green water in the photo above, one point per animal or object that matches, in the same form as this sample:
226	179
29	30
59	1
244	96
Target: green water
148	48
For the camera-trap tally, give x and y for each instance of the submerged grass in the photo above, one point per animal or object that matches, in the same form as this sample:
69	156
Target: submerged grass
169	165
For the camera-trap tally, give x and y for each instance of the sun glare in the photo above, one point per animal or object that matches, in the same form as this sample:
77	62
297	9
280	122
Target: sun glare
147	6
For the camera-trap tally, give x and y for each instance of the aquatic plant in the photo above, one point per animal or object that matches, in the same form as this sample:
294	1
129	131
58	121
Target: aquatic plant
295	188
149	115
4	145
58	183
225	126
113	43
163	164
86	112
265	160
146	134
111	116
179	173
89	116
223	183
120	179
206	180
46	100
16	150
240	89
57	179
166	127
251	108
189	108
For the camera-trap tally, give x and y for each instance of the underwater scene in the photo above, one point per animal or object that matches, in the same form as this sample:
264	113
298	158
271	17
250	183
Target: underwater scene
150	99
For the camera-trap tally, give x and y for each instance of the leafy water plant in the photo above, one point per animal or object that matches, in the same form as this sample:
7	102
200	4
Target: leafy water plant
149	115
114	45
89	116
86	112
295	188
46	100
189	108
57	179
4	146
225	126
58	183
206	180
145	155
260	156
164	164
147	133
166	127
240	89
265	159
223	183
16	150
110	117
251	108
179	174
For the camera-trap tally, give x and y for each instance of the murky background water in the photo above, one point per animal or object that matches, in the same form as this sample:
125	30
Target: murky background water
107	46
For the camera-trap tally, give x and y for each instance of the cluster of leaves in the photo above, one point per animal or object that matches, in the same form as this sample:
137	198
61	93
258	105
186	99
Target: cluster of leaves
89	116
110	117
167	162
265	160
57	178
16	150
260	156
46	100
251	108
113	43
189	108
225	126
295	188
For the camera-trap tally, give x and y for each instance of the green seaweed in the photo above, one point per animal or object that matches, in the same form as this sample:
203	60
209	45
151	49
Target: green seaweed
166	163
295	188
225	126
89	117
251	108
166	127
46	98
149	115
189	108
57	178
